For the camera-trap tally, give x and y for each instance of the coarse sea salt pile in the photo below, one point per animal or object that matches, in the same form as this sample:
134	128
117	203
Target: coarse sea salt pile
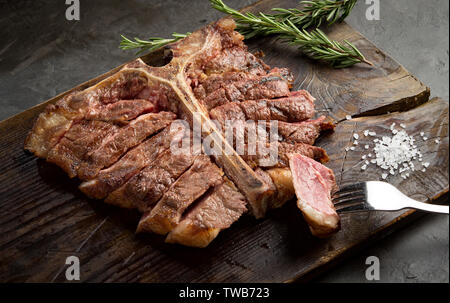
394	154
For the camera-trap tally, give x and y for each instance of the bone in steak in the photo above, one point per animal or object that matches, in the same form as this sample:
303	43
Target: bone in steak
116	136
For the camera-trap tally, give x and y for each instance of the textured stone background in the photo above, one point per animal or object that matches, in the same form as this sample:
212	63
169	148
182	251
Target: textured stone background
43	54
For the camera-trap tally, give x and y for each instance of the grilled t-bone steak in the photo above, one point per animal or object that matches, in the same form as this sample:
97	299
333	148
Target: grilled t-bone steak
117	136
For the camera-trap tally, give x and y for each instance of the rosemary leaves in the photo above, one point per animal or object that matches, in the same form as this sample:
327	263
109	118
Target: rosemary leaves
289	25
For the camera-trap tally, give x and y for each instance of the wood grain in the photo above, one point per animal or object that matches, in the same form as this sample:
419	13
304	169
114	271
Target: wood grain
44	217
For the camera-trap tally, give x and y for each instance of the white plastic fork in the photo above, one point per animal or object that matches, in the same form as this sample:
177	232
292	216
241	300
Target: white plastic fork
379	196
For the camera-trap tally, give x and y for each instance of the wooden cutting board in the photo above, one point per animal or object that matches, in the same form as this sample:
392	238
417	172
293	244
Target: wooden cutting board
44	218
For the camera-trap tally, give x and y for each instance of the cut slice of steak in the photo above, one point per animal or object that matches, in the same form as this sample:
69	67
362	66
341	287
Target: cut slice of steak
313	185
131	163
48	129
191	185
147	187
303	132
127	137
295	107
214	212
83	137
57	118
121	111
235	59
277	154
240	86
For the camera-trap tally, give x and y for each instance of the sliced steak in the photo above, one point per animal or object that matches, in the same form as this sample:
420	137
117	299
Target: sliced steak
83	137
114	136
313	185
127	137
57	118
235	59
147	187
214	212
48	129
130	164
292	108
121	111
276	154
191	185
303	132
240	86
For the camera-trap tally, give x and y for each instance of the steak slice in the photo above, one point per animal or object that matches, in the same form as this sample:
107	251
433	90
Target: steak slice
214	212
127	137
295	107
303	132
121	111
57	118
235	59
191	185
82	138
145	188
313	185
277	154
219	89
130	164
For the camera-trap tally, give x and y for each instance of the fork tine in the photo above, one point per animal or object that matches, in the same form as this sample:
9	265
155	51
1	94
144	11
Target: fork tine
353	187
352	199
349	202
350	190
348	195
354	208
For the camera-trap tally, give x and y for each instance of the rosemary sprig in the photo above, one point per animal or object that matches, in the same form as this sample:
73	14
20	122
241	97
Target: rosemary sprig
289	25
314	44
315	13
151	44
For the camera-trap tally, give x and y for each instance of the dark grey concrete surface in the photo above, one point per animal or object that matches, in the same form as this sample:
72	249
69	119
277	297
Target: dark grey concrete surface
43	54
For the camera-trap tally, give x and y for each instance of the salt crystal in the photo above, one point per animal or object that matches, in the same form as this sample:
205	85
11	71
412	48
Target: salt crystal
384	176
425	138
352	148
437	141
424	170
372	134
402	125
355	142
422	134
347	149
363	157
426	164
366	132
356	136
348	117
366	146
369	155
364	167
396	153
367	162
